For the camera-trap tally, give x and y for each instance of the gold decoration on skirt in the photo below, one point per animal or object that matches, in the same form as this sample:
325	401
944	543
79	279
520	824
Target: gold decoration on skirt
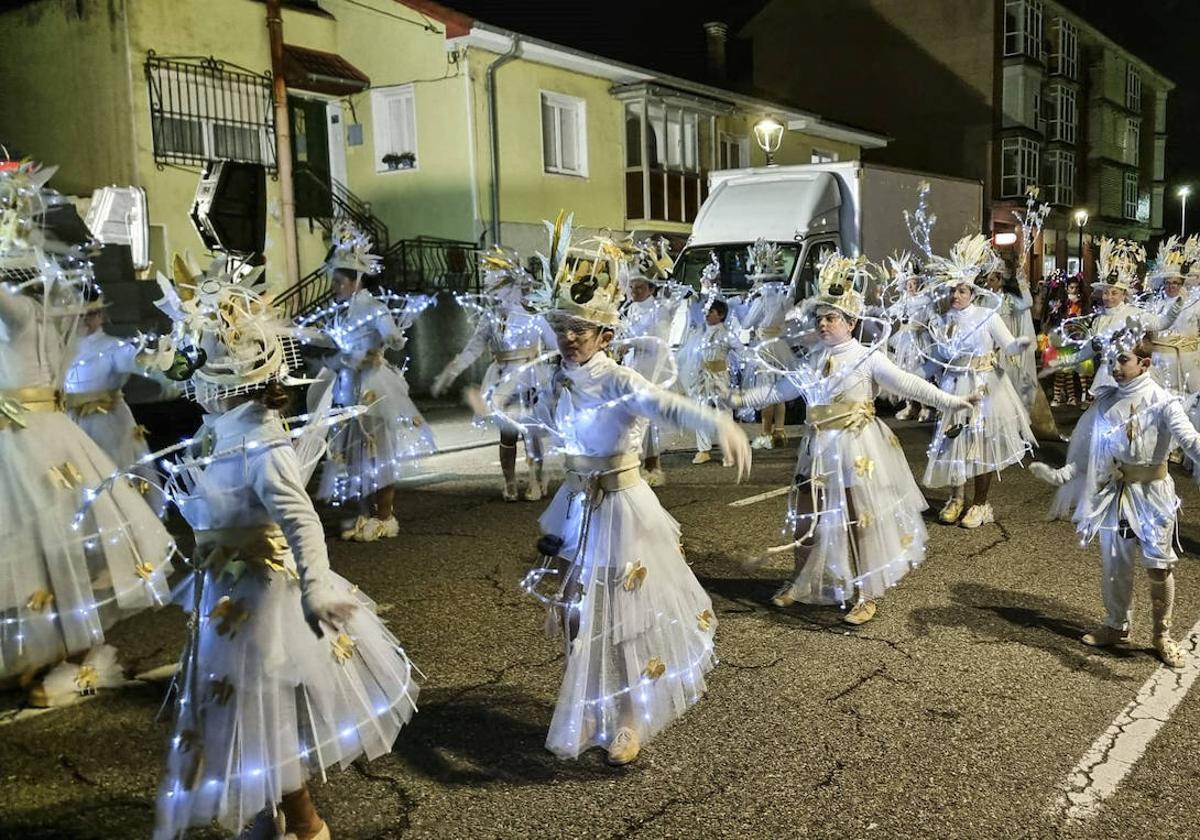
343	648
230	614
865	519
704	620
418	421
221	691
66	475
654	669
39	600
140	432
864	467
894	441
635	575
906	540
144	570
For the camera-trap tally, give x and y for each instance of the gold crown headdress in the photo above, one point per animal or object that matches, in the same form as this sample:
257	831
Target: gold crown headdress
351	251
651	260
764	260
840	283
970	258
1168	262
1117	263
583	282
502	269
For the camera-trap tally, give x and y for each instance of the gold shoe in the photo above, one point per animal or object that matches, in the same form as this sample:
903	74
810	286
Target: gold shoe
1169	652
1105	636
624	748
779	440
701	457
863	612
952	510
784	597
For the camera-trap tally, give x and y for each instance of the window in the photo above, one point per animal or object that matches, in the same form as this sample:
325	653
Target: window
670	146
1133	89
209	110
1060	177
1018	165
564	134
1023	28
735	152
394	125
1129	203
1061	101
1064	60
1131	141
823	156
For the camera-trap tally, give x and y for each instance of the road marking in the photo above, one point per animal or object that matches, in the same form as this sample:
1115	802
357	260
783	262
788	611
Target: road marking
770	494
1113	755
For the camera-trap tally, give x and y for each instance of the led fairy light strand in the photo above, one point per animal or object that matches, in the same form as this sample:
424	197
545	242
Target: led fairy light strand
920	222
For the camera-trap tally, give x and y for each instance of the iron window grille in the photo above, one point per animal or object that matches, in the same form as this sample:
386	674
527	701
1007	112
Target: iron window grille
204	109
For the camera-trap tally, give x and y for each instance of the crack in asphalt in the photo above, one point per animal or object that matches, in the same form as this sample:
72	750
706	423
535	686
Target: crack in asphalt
638	824
407	803
78	775
881	672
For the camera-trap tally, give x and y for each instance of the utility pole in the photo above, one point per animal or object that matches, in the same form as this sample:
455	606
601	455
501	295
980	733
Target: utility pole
283	143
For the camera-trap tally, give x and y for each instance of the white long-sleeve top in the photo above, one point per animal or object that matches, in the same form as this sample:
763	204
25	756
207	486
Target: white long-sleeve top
765	310
102	362
1104	325
602	408
851	373
1138	422
972	331
258	484
505	328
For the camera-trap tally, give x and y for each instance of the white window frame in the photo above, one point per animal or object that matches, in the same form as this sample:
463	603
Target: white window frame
1027	37
1133	88
823	156
387	139
1132	140
732	141
1060	177
561	104
1064	61
1129	195
1064	116
1028	154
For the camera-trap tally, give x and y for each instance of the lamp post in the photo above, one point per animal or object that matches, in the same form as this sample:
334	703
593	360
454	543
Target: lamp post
1183	194
769	134
1081	220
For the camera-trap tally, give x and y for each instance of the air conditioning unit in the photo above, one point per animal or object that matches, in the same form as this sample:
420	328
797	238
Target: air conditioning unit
118	217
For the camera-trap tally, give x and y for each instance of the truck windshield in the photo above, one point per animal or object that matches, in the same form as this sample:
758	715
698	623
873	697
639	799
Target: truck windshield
733	264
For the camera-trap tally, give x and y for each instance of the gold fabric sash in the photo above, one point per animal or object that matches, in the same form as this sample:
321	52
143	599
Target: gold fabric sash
597	475
1177	343
832	416
372	358
983	363
1141	473
261	549
716	366
17	402
87	403
524	354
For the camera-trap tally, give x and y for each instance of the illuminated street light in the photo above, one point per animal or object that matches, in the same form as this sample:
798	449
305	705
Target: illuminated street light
769	134
1183	194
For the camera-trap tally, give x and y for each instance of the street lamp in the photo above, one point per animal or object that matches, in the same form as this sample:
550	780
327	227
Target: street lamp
769	135
1183	194
1081	220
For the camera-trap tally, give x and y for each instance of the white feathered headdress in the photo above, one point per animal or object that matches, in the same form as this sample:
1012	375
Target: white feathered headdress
1118	262
970	259
764	260
351	251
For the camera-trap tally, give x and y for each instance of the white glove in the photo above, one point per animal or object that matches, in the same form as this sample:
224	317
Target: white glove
1046	473
735	446
442	382
1019	344
322	604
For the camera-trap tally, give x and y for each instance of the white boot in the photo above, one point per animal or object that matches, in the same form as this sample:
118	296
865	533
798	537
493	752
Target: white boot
68	683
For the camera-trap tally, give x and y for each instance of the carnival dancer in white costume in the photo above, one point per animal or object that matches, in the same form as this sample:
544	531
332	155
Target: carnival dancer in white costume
288	670
514	337
65	578
643	339
719	357
1117	268
910	314
764	313
1116	483
638	627
980	442
101	366
1177	346
855	508
369	454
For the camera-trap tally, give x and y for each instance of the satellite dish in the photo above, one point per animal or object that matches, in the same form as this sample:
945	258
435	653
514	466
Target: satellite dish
118	217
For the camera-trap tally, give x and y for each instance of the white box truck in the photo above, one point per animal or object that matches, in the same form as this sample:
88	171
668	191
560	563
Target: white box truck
811	208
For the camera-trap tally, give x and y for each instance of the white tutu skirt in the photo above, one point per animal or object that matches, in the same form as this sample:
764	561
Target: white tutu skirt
62	586
865	529
993	436
378	448
263	704
641	651
1021	371
124	441
768	358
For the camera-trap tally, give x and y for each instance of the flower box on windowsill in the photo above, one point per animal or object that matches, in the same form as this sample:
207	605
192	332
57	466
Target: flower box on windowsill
395	163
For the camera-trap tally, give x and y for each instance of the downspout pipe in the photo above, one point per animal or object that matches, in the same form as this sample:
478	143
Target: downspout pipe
490	84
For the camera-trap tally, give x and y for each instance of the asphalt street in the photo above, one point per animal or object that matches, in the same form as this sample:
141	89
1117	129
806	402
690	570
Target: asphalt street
960	711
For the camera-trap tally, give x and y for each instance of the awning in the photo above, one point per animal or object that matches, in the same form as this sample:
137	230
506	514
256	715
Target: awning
321	72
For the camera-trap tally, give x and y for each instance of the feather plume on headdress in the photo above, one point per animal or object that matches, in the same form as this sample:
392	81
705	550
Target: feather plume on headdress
970	258
841	283
1168	262
1117	263
764	260
1032	219
587	287
351	251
